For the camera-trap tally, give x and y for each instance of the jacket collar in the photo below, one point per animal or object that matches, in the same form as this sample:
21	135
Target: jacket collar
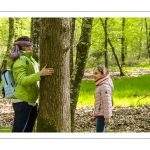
101	80
27	54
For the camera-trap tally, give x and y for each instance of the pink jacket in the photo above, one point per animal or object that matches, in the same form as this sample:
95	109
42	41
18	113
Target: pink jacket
103	97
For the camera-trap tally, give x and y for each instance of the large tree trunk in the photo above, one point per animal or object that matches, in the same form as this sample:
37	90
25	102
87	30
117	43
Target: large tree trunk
54	103
9	45
35	35
81	58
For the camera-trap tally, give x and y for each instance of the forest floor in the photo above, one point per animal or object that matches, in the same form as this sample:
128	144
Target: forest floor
125	119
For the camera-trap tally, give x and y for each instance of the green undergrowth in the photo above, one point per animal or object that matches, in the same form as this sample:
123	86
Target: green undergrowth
5	129
128	91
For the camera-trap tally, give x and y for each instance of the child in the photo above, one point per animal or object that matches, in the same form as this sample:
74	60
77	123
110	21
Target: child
103	98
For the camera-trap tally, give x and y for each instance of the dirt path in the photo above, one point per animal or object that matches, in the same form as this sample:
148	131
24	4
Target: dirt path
88	74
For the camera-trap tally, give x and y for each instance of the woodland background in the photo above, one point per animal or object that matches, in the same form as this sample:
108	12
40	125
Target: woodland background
78	44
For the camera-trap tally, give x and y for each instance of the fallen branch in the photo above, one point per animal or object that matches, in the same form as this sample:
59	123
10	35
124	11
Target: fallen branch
144	96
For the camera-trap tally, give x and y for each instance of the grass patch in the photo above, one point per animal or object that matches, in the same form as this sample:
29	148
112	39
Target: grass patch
5	129
86	95
127	92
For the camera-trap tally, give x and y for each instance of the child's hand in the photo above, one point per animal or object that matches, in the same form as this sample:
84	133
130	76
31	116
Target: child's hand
107	121
92	119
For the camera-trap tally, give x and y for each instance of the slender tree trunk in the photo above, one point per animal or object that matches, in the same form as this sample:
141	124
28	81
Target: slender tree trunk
113	50
106	40
123	42
106	43
54	104
81	58
35	35
148	38
72	43
9	45
17	27
140	41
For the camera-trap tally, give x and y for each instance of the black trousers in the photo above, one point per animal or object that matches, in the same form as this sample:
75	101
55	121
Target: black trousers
100	125
24	117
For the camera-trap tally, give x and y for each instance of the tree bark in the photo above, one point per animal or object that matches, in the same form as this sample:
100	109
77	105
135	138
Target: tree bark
54	102
81	58
72	43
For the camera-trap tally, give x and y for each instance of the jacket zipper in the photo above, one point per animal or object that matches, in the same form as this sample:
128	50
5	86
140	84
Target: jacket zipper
99	107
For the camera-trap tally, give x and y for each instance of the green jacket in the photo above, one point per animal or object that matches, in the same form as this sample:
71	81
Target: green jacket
26	75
